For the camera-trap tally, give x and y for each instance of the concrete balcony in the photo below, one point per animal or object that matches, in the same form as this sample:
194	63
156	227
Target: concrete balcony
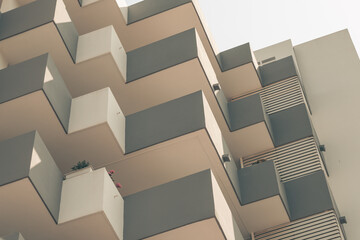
262	192
32	187
149	21
28	24
34	96
167	211
278	70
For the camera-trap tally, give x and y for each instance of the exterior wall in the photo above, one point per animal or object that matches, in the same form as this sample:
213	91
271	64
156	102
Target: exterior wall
330	69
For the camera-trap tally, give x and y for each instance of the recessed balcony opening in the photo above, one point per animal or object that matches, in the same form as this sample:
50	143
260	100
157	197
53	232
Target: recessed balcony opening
8	5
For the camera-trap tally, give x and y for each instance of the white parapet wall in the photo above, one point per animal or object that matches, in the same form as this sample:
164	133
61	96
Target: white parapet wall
101	42
95	108
92	192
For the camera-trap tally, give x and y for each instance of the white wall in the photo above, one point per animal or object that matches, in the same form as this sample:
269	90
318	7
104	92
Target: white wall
330	69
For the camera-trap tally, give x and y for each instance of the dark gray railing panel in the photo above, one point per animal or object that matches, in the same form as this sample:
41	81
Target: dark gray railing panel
290	125
163	122
36	14
23	78
46	177
162	54
169	206
259	182
278	70
246	111
235	57
39	73
149	8
308	195
15	155
26	17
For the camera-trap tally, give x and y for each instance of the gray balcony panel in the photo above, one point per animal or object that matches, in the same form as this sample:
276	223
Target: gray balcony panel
26	17
235	57
308	195
149	8
13	236
246	111
39	73
259	182
163	122
290	125
278	70
15	155
36	14
161	55
46	177
169	206
26	156
23	78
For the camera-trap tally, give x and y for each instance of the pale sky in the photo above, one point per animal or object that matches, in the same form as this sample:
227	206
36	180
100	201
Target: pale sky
266	22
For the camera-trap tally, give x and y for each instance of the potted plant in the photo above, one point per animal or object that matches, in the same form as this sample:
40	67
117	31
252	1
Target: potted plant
78	169
111	172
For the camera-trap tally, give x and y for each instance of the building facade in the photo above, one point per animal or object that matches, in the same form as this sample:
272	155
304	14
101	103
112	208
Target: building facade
206	144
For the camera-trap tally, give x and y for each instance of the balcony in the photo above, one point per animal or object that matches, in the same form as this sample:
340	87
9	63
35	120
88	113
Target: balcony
27	24
157	20
167	211
32	187
33	95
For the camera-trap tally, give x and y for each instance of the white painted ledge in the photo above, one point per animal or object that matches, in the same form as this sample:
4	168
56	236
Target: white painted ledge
97	108
92	193
101	42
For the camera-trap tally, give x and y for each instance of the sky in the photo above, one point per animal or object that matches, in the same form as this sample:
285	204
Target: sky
266	22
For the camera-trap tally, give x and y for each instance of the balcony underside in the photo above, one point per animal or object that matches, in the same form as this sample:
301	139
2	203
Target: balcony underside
20	204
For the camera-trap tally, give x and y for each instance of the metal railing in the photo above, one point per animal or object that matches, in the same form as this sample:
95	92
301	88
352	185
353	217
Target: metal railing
282	95
292	160
320	226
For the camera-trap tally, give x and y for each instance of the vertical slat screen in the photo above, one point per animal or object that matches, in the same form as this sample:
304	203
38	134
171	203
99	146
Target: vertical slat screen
292	160
282	95
323	226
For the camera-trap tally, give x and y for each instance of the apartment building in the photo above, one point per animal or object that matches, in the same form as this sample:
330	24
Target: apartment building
205	144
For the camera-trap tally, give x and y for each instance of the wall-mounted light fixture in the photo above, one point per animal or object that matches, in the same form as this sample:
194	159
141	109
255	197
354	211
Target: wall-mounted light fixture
216	87
226	158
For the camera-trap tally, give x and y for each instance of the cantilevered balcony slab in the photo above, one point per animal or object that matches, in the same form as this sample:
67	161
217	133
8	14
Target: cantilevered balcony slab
278	70
34	199
92	193
150	21
263	196
22	32
167	211
34	96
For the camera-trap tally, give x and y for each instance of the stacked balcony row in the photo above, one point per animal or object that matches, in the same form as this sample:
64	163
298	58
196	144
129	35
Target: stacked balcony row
187	120
124	138
32	187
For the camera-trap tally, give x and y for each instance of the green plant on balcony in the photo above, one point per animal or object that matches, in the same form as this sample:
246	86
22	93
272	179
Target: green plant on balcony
80	165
